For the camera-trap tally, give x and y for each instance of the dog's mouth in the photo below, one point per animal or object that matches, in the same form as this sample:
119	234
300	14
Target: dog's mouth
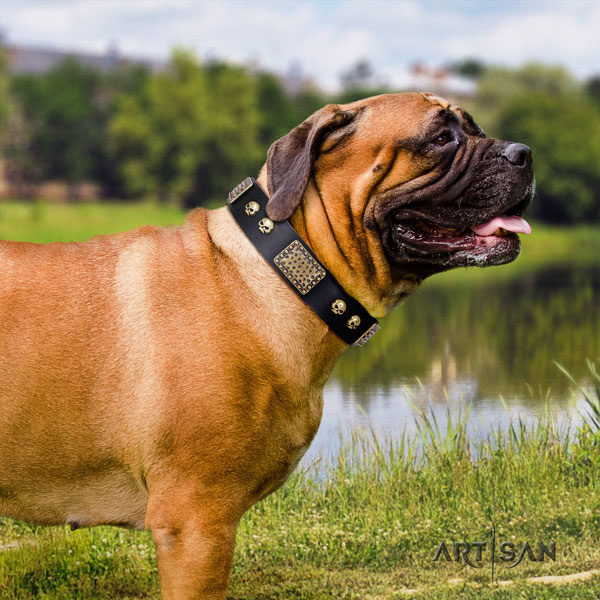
424	246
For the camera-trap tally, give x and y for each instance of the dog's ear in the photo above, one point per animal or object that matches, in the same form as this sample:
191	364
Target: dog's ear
290	159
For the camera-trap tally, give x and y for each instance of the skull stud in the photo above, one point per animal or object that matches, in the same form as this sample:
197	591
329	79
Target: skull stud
338	307
353	322
252	208
265	225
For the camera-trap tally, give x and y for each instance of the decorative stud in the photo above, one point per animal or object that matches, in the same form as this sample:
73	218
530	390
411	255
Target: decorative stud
297	264
252	208
338	307
240	189
367	335
266	225
353	322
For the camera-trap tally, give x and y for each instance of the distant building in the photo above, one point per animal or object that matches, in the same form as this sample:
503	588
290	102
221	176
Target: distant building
31	59
441	80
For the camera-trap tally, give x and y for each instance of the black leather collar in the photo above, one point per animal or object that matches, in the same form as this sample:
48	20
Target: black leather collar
296	264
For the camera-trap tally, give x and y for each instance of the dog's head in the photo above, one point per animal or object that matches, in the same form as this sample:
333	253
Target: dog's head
394	188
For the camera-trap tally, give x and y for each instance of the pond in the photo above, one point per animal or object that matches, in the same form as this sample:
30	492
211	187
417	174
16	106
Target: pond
487	347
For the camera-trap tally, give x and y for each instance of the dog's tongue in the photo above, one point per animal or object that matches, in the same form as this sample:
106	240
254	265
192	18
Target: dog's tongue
513	223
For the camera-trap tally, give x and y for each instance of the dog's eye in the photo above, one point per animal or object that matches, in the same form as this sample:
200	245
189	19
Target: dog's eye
443	139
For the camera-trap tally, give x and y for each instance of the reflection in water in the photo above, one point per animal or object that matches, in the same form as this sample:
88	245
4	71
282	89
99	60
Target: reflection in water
459	346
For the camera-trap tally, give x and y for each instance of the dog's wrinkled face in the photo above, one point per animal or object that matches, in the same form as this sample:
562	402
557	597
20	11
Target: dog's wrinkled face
408	179
465	206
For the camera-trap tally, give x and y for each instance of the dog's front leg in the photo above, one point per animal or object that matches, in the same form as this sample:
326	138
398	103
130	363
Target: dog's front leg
194	547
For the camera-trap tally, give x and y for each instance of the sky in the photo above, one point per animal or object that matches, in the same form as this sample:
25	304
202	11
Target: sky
322	37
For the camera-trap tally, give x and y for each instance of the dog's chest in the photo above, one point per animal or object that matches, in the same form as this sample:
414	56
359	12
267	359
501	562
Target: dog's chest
295	433
278	475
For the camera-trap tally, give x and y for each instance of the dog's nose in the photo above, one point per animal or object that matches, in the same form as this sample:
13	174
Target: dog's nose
517	154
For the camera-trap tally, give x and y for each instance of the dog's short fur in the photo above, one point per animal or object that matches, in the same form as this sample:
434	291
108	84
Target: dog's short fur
166	378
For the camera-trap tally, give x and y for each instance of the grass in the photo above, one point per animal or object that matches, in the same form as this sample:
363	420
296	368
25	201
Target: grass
369	529
43	222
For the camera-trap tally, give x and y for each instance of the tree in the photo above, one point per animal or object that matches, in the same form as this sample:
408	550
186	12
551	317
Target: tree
64	115
499	85
4	96
306	102
592	87
277	108
191	134
359	75
547	109
564	134
360	81
469	67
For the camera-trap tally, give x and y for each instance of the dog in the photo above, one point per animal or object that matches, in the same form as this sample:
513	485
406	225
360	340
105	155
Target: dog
168	378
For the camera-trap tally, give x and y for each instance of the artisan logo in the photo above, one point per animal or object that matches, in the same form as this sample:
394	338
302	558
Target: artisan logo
474	554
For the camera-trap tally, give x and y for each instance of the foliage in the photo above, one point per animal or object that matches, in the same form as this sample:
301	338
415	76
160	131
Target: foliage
469	67
360	81
191	134
545	108
564	134
278	112
500	84
65	114
592	87
4	95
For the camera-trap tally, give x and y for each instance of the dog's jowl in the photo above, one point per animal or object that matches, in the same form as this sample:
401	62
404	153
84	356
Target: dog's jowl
170	378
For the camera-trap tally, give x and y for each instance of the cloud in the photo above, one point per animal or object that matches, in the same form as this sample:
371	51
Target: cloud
565	33
324	37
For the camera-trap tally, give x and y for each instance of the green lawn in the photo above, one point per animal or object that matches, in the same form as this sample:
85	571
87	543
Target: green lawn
369	530
44	222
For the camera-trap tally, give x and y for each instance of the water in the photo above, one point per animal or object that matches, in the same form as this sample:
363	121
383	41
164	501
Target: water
487	348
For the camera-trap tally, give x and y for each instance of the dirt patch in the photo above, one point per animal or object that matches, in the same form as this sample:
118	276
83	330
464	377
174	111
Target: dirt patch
546	579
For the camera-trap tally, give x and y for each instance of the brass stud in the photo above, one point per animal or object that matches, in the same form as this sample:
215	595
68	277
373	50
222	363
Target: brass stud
338	307
353	322
252	208
266	225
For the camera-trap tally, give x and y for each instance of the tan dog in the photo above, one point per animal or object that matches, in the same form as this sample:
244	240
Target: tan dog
168	379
